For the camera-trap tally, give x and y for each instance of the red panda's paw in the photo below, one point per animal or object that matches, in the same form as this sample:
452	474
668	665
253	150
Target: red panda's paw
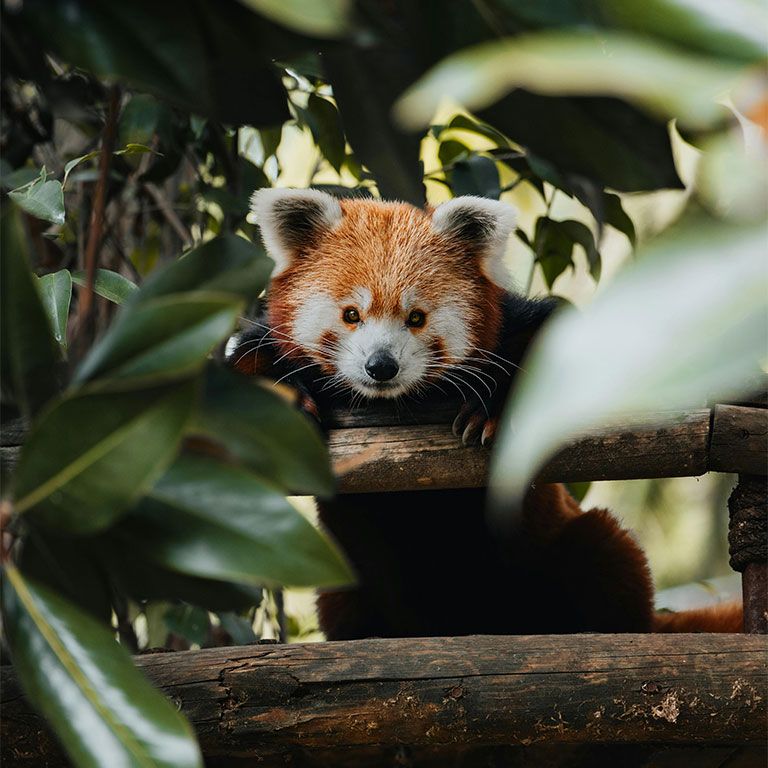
473	424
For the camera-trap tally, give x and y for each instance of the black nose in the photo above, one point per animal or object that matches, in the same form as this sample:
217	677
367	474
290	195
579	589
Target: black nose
381	366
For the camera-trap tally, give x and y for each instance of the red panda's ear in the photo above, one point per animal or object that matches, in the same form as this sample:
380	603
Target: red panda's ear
290	219
482	223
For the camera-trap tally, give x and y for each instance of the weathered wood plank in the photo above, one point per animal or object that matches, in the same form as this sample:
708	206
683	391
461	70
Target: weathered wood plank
279	704
739	440
400	458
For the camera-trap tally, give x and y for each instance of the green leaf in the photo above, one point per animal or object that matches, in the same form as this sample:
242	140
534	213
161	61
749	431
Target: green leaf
100	706
451	150
141	578
30	356
42	199
553	246
664	80
320	18
615	215
161	338
93	454
582	235
477	175
642	345
264	432
72	164
56	293
188	621
228	263
733	30
192	67
111	285
325	125
466	123
19	178
209	519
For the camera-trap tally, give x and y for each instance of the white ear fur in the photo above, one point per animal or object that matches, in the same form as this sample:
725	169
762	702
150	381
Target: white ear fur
489	223
288	218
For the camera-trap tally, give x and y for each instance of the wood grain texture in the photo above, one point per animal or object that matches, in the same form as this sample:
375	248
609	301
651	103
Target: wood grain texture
280	704
402	458
739	440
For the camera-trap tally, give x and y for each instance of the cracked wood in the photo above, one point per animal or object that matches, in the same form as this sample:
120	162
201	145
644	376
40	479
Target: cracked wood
282	704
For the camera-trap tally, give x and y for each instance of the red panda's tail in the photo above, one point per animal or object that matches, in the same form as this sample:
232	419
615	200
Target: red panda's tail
716	618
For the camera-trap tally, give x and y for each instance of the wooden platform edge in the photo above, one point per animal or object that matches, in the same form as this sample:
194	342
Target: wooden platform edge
663	444
279	703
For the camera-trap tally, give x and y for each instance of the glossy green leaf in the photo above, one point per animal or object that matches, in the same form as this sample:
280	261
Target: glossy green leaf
450	151
217	521
581	234
42	199
320	18
111	285
21	177
264	432
228	263
325	125
666	81
30	355
141	578
643	345
162	338
56	293
101	707
477	175
93	454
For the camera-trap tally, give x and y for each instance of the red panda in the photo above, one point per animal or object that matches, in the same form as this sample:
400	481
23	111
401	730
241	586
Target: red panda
383	300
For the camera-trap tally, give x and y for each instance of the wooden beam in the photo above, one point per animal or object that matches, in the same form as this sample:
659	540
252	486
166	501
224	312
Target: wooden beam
739	440
401	458
286	704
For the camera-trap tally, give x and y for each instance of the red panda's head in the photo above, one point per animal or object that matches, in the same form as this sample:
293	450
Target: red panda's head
384	297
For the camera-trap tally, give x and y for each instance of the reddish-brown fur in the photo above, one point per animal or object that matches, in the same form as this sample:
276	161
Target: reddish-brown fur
428	563
388	247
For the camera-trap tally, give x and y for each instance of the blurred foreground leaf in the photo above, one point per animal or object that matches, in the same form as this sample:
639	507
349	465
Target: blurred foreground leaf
687	322
266	433
209	519
93	453
323	18
100	706
30	355
667	81
161	339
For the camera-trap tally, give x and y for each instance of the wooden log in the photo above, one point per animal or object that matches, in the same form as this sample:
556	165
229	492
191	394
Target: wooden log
281	704
402	458
739	440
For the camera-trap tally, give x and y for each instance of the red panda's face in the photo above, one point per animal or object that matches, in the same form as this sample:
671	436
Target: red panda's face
384	298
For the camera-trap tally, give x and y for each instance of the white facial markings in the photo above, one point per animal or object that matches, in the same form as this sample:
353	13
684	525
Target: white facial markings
361	298
317	314
450	323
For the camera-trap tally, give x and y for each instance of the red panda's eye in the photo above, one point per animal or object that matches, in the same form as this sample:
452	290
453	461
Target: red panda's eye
416	319
351	315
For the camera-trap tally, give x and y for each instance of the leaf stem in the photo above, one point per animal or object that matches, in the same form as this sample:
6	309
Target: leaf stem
85	304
